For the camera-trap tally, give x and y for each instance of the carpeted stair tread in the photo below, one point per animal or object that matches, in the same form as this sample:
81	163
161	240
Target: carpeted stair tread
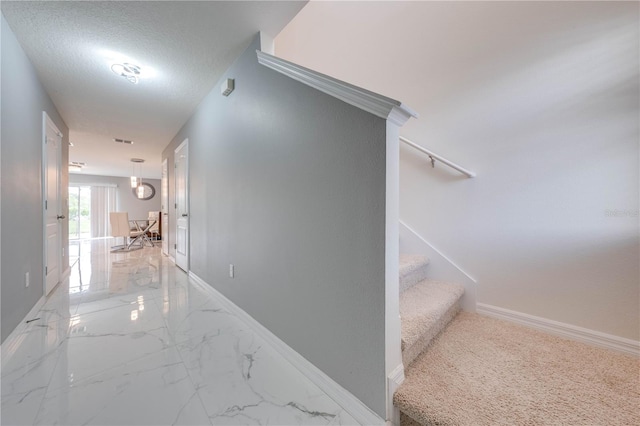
407	421
483	371
425	309
413	269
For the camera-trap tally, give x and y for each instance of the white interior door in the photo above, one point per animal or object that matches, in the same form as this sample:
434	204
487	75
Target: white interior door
164	220
182	205
52	153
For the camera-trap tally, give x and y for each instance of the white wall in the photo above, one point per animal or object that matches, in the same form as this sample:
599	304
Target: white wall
541	100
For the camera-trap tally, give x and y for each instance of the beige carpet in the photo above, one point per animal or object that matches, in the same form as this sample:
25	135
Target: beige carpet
483	371
425	309
413	269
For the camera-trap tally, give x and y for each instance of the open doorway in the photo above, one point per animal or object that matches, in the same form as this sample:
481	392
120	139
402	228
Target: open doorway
79	212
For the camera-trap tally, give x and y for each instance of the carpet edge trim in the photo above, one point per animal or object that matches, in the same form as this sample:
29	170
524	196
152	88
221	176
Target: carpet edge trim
572	332
394	380
350	403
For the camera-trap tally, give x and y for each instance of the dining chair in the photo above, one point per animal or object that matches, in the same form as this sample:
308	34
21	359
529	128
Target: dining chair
154	230
120	227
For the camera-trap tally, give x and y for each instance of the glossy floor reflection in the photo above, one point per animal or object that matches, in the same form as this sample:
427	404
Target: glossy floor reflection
127	339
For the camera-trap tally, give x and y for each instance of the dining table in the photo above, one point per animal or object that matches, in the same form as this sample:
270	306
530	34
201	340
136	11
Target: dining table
144	225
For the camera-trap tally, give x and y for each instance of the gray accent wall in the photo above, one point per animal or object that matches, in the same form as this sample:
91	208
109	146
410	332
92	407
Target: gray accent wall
21	223
288	184
126	201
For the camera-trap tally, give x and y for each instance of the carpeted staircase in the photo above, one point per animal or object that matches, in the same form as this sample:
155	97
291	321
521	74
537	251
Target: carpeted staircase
426	306
483	371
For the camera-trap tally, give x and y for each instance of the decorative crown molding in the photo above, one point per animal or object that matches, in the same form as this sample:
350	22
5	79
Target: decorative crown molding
378	105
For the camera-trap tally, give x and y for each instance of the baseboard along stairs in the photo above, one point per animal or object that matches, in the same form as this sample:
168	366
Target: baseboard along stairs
469	369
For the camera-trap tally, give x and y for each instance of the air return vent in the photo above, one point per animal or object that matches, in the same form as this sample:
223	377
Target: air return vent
123	141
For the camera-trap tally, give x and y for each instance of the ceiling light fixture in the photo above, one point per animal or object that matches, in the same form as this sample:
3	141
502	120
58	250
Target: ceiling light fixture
130	72
136	182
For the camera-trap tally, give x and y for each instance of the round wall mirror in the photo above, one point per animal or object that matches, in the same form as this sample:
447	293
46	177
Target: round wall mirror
149	191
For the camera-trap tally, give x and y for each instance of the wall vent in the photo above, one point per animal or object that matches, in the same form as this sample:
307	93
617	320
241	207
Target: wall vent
123	141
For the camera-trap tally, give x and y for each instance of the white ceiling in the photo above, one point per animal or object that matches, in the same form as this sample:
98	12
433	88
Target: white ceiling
183	46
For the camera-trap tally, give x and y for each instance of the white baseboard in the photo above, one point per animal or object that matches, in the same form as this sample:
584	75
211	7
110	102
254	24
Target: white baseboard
584	335
65	274
352	405
394	381
13	340
441	267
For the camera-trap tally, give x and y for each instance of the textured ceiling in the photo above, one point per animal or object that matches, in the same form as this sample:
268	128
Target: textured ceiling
184	47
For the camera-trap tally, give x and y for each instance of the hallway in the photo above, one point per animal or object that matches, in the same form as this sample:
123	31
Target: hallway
129	339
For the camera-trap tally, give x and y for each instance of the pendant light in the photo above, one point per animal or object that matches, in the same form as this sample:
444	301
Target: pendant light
136	181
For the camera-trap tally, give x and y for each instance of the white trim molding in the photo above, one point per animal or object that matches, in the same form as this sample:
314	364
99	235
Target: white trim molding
395	379
356	408
413	231
14	339
441	267
65	274
392	327
572	332
266	43
376	104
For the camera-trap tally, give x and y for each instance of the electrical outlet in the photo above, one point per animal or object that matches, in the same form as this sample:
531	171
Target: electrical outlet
26	279
231	270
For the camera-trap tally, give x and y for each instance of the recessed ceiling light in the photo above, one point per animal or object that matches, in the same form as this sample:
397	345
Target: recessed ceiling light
128	71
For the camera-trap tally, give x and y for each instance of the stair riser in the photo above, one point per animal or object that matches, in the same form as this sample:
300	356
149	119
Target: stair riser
410	279
406	420
411	353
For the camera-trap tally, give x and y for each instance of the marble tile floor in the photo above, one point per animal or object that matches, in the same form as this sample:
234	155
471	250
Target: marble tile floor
127	339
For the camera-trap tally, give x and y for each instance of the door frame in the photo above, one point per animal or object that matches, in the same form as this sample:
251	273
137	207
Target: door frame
47	121
184	143
164	206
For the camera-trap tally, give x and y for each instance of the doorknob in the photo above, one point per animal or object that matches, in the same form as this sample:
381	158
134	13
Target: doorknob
61	217
184	215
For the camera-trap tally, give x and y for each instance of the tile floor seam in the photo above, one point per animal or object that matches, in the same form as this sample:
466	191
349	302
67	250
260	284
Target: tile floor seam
46	390
186	367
